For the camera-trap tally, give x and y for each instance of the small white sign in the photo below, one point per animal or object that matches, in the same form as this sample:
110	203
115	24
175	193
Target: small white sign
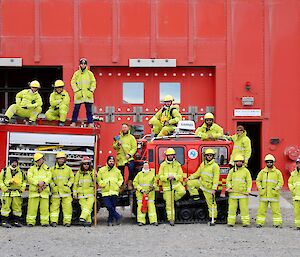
247	112
192	154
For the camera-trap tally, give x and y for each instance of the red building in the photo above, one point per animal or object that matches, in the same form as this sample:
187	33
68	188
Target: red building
237	58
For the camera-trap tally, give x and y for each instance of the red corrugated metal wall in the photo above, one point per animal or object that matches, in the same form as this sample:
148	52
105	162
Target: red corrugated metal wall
256	41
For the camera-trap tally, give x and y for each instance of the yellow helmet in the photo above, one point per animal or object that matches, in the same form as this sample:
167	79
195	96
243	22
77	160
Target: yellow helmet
209	151
238	158
209	115
35	83
59	83
60	155
37	156
168	98
269	157
170	151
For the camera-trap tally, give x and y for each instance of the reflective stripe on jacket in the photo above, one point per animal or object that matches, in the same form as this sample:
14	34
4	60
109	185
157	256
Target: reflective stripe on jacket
294	184
62	180
167	169
215	131
110	180
208	174
242	146
83	84
129	146
38	174
240	181
84	184
12	183
29	100
269	182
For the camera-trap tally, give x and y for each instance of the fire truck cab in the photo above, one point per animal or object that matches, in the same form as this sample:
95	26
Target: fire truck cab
190	153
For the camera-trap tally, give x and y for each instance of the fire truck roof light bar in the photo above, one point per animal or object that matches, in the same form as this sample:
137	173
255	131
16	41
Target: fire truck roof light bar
152	62
10	62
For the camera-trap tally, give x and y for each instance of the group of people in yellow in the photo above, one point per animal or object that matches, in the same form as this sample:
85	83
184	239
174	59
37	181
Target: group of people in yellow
58	181
29	102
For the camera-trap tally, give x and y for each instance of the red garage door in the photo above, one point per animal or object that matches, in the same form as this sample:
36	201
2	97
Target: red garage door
133	95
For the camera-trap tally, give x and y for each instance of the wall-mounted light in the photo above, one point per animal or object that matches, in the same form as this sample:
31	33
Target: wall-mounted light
248	85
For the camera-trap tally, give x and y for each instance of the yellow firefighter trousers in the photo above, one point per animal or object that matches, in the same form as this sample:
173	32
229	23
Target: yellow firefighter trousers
141	217
66	204
297	212
177	193
59	114
33	205
25	113
13	203
193	187
86	205
233	204
262	212
160	130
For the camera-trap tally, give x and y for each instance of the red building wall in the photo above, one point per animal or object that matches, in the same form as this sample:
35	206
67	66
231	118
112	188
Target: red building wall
256	41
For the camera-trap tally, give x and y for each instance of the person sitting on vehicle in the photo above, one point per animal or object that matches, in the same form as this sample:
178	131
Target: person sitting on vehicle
207	179
62	181
12	185
144	183
209	130
39	178
28	104
110	179
242	145
125	144
59	103
170	176
163	123
83	189
238	184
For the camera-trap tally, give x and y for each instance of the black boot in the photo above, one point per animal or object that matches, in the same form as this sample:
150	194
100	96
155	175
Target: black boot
17	222
5	222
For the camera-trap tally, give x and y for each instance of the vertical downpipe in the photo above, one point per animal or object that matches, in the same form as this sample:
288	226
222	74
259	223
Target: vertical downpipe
37	32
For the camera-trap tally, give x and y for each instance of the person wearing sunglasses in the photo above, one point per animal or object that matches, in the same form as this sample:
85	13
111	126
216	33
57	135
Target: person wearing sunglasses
269	181
242	145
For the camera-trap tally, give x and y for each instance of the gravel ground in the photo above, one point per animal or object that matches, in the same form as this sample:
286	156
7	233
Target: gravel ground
130	240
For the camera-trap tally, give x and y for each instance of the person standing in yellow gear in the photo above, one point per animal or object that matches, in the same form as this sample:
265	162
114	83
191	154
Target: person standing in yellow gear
28	104
12	184
269	182
83	189
209	130
242	145
59	103
84	85
144	183
170	176
126	147
62	181
207	179
109	178
163	123
294	186
39	178
238	184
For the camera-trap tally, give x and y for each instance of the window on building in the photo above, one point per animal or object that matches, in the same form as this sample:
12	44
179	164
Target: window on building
179	154
169	88
133	93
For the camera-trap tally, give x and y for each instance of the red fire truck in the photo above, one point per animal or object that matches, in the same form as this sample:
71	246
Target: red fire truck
189	152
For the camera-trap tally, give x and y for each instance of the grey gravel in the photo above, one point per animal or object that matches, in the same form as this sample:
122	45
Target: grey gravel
129	239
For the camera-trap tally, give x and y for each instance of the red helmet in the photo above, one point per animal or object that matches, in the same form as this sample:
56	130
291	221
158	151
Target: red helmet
86	159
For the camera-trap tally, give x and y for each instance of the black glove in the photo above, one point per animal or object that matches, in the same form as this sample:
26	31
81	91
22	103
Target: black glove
24	107
56	108
33	101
